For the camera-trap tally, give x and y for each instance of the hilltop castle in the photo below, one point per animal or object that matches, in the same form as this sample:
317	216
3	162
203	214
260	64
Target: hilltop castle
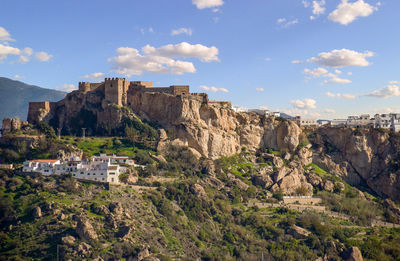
98	97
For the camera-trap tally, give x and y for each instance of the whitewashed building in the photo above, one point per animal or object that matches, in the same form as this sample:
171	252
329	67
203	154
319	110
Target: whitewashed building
101	168
43	166
306	122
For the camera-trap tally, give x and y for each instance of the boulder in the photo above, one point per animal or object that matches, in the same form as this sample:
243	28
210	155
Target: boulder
314	179
262	180
299	232
68	240
116	208
233	180
85	229
199	191
84	248
37	212
328	186
278	162
353	254
281	174
305	156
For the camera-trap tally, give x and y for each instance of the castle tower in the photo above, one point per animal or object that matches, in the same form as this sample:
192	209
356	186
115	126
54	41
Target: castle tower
84	87
116	90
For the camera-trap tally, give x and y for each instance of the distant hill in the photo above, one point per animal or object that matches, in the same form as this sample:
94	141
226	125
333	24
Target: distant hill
15	97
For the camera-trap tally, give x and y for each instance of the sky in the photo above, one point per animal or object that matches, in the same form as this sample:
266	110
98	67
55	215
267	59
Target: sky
320	59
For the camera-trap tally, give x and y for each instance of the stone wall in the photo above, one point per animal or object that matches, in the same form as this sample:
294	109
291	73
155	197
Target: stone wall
39	110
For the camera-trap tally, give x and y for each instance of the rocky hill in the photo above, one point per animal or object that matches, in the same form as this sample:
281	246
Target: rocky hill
15	97
366	158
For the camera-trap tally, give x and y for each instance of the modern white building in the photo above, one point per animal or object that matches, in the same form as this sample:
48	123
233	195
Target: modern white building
384	121
306	122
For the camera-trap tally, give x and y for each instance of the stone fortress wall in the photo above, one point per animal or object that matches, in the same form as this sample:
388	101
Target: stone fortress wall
39	110
117	90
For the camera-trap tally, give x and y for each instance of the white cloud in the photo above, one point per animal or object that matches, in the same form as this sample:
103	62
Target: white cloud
297	62
334	78
5	35
285	23
182	30
264	107
267	59
318	7
260	89
151	30
17	76
342	58
329	111
97	75
281	20
346	12
386	92
394	82
304	104
66	87
185	50
350	73
28	51
23	59
318	72
43	56
6	50
25	55
201	4
322	72
212	88
341	95
130	62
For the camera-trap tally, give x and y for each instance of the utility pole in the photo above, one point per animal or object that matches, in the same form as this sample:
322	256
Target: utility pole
83	133
59	133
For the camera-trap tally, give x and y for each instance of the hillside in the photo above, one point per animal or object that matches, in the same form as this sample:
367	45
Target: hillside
15	97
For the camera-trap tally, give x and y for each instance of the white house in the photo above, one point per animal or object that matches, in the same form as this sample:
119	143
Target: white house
101	168
306	122
43	166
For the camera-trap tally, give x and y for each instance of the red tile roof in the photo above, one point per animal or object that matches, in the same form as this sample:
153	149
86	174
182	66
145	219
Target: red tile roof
44	160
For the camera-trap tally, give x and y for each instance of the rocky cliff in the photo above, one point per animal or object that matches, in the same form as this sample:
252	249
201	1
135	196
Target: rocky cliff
211	129
368	157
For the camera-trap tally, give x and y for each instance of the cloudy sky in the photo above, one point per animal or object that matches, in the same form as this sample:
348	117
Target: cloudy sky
323	59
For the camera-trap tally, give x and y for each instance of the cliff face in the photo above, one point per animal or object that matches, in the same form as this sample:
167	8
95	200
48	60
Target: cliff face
369	157
212	129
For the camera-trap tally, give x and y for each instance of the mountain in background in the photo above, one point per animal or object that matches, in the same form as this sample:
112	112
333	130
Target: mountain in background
15	97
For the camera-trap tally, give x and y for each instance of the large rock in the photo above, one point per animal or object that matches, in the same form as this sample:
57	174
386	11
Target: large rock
116	208
353	254
288	136
85	229
199	191
68	240
37	212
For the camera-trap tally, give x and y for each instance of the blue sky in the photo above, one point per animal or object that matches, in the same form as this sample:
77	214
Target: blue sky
319	59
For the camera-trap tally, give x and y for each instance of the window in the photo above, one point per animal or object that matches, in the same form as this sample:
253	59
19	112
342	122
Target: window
88	174
102	178
73	175
112	179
